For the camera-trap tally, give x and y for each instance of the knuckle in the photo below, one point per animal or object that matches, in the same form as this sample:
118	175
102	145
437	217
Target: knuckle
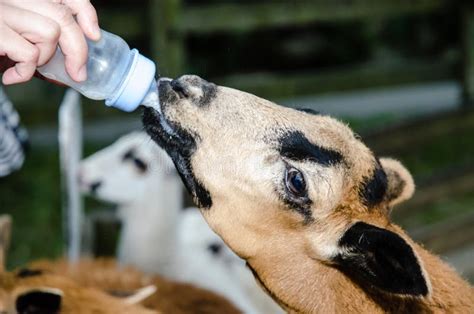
64	15
32	54
52	31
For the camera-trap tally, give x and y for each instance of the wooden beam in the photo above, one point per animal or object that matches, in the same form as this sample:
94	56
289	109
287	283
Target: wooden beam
274	85
248	17
451	185
447	235
406	137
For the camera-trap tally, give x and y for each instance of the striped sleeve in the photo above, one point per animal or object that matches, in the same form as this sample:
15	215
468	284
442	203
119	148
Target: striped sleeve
13	137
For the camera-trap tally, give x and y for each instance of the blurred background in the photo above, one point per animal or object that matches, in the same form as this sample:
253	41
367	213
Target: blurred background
400	73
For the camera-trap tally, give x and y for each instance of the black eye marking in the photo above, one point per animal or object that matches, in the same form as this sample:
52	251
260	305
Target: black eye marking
128	155
309	111
139	163
295	146
26	272
373	189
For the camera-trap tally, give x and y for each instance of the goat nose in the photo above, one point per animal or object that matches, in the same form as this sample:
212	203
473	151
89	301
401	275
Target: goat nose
180	88
215	248
95	186
187	86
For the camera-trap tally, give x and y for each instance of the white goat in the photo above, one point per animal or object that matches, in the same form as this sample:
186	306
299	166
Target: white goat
158	236
141	180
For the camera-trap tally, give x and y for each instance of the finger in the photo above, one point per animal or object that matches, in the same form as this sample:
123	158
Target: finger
74	47
22	52
37	29
71	40
86	17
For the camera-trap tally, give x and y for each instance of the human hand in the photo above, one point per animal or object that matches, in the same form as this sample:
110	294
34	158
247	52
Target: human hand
30	31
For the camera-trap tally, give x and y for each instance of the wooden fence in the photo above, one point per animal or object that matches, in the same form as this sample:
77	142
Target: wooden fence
165	26
172	21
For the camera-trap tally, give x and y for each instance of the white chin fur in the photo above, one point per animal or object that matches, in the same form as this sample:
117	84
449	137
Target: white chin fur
153	100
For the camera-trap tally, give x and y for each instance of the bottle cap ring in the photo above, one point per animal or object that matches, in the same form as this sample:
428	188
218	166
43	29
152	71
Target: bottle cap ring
136	85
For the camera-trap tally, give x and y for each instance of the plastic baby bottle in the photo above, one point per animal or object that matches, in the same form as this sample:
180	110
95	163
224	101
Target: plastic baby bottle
121	76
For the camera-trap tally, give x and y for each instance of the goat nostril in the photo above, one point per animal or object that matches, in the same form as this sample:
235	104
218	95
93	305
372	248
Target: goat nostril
95	186
179	89
215	248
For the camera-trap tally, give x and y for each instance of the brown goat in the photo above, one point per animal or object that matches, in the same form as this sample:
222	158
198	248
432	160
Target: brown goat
27	291
170	297
94	285
302	199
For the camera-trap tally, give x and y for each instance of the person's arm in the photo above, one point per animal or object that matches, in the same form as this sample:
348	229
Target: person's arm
13	137
30	31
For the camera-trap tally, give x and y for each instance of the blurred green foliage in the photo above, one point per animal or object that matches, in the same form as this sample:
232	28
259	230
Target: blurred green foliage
32	197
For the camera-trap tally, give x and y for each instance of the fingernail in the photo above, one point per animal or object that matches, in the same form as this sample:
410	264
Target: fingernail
82	73
96	31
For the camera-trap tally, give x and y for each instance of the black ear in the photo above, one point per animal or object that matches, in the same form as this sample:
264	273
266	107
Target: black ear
381	259
39	301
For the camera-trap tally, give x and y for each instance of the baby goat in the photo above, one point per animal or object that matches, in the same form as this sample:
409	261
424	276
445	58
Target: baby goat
140	179
167	297
29	291
303	201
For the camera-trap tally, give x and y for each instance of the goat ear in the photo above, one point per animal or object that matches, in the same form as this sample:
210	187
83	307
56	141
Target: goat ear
400	184
41	300
381	259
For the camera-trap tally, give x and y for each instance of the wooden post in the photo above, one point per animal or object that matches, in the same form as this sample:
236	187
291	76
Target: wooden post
166	42
5	232
468	54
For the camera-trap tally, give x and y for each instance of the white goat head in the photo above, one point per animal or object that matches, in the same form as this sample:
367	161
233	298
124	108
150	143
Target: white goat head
127	171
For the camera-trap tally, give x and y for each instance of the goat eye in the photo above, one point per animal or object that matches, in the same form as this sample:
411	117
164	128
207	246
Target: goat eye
140	164
295	183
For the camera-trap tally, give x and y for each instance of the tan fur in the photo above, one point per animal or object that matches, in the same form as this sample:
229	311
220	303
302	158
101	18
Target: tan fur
238	162
75	298
170	297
